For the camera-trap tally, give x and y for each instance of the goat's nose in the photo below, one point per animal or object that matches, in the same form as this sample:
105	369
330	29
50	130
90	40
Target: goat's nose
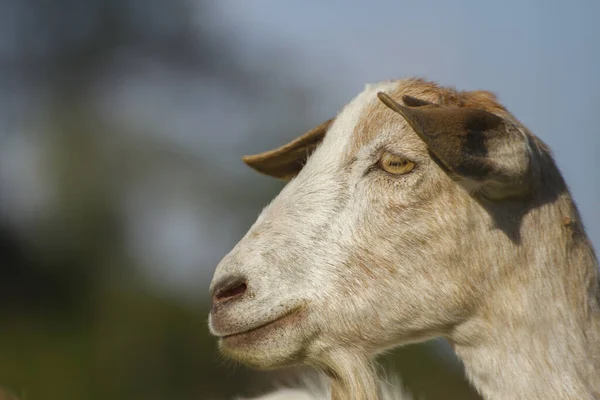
228	289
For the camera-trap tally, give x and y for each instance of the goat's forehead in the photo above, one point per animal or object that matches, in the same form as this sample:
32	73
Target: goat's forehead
346	129
365	119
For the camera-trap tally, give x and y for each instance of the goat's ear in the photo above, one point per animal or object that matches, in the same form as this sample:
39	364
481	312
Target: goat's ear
286	161
484	152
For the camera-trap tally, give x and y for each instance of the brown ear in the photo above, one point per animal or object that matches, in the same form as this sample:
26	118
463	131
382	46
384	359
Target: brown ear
473	145
286	161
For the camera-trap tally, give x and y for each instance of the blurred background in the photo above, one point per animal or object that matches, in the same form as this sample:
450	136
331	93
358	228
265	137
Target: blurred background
122	123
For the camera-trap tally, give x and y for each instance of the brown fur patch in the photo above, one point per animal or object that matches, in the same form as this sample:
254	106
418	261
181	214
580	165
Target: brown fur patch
377	116
286	161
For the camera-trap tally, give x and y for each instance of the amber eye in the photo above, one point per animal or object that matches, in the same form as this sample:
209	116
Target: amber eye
395	164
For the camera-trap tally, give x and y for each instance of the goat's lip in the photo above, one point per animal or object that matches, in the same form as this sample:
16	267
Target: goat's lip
256	332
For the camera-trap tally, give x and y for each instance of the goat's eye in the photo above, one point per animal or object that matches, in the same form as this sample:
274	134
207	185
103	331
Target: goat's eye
395	164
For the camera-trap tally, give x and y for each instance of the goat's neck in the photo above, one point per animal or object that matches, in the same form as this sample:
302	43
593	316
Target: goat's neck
537	335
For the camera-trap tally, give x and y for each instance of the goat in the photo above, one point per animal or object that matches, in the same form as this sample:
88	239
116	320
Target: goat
417	212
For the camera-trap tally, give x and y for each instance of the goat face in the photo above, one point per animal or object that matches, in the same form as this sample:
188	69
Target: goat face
372	243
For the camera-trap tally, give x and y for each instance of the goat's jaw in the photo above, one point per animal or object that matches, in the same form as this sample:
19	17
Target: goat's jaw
271	344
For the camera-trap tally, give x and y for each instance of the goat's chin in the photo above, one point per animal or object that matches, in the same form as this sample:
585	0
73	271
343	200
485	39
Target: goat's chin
266	355
276	344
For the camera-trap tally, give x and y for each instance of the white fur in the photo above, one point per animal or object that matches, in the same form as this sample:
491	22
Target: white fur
361	261
319	389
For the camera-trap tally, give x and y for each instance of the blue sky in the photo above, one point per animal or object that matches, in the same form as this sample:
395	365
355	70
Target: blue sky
540	57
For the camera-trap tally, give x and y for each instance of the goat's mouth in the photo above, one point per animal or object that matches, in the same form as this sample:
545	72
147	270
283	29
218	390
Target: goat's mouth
254	334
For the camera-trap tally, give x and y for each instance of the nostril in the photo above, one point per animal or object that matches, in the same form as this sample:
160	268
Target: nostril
230	291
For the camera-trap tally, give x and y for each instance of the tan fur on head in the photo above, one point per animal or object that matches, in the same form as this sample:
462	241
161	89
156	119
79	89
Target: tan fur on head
350	259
